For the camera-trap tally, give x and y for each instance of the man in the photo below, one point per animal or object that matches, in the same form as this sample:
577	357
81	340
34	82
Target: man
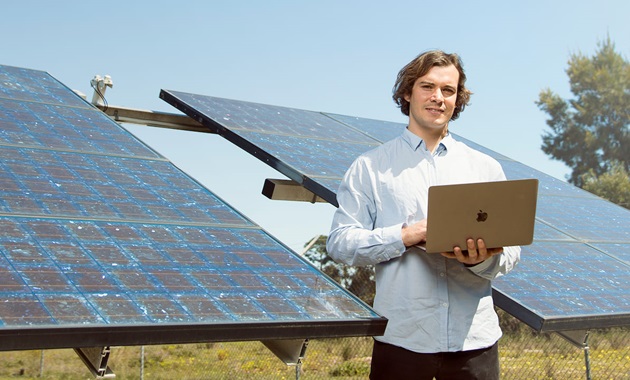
442	321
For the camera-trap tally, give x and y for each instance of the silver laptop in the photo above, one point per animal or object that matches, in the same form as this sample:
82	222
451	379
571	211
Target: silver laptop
502	213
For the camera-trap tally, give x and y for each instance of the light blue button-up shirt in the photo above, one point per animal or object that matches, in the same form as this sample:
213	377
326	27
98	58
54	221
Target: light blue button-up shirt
433	304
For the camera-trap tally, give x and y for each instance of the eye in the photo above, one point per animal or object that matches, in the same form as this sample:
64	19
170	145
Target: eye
448	91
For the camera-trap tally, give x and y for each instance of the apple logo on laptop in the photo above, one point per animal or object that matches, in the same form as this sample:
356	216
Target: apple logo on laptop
482	216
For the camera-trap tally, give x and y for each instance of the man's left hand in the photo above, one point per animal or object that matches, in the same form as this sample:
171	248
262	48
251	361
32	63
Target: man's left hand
476	254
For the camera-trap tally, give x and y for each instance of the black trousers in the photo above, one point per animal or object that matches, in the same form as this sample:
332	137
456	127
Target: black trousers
395	363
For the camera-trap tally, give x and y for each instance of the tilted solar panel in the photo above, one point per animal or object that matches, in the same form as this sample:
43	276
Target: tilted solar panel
105	242
574	275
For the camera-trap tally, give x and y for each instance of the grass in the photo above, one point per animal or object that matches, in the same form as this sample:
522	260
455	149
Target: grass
524	355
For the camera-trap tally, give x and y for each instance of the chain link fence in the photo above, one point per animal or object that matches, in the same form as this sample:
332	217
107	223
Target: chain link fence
525	355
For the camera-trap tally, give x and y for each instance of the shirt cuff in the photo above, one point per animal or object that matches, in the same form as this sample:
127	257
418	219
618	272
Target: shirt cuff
392	238
481	267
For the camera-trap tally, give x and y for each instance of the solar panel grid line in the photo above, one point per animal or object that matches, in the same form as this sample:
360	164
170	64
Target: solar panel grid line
97	239
136	221
555	323
101	234
572	221
261	154
319	137
22	146
80	193
147	283
256	117
284	134
579	276
622	250
594	245
54	129
36	86
563	235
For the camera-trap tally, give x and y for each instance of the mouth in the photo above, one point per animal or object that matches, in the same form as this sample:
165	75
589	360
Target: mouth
435	110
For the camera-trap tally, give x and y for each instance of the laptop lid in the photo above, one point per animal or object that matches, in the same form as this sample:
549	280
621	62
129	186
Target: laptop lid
502	213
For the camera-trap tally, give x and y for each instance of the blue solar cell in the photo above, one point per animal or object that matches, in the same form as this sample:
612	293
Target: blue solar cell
586	219
65	128
620	251
387	130
28	85
103	236
76	185
105	258
281	121
568	280
379	130
543	232
571	222
298	151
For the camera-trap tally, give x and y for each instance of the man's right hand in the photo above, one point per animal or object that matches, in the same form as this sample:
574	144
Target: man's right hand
414	233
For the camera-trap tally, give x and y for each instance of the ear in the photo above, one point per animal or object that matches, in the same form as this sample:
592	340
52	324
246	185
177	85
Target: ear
407	97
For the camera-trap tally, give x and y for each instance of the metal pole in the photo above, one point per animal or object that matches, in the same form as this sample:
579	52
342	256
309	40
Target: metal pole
298	369
41	364
579	338
587	357
310	245
141	362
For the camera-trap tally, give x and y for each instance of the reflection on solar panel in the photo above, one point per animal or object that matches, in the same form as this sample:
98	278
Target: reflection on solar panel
105	242
576	275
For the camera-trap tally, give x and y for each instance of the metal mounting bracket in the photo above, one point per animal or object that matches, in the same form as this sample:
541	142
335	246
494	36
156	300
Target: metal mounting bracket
288	190
95	358
290	351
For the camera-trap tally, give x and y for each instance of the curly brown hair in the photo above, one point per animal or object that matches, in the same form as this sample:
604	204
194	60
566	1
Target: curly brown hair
419	67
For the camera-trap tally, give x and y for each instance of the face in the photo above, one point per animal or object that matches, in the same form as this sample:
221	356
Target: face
432	100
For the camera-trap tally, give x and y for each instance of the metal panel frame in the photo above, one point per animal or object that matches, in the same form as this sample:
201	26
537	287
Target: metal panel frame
49	337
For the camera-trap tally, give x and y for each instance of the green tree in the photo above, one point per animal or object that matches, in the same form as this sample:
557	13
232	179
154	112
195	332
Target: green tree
358	280
613	185
590	132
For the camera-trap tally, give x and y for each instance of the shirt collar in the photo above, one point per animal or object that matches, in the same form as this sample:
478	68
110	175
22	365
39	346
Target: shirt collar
415	142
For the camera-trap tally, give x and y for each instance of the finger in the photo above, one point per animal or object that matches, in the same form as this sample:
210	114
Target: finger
470	243
472	249
459	254
481	245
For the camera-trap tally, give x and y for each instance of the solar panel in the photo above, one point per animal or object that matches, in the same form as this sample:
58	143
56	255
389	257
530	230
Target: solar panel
105	242
574	276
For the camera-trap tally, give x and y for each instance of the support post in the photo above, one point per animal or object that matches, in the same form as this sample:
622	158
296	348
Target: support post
153	118
579	338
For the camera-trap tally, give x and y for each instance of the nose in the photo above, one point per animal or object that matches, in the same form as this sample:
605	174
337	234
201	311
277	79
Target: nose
437	95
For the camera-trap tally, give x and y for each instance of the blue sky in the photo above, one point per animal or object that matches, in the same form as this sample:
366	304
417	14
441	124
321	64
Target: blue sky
333	56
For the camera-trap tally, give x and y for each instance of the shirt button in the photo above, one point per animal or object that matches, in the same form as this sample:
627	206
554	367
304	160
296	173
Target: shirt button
442	274
444	304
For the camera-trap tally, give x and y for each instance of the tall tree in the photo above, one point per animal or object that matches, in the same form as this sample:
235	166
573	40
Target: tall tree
590	133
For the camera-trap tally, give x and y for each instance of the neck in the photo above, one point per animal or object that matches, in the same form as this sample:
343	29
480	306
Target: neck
431	137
